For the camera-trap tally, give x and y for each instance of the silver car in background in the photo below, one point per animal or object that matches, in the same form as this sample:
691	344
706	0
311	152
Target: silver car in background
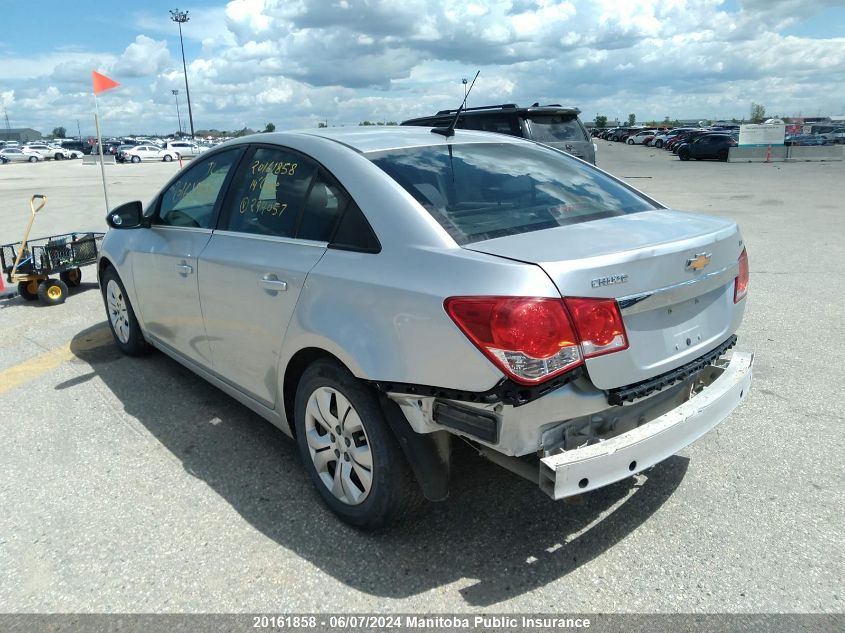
377	292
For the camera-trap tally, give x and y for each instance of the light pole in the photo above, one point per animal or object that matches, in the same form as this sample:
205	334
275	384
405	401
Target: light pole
180	17
178	116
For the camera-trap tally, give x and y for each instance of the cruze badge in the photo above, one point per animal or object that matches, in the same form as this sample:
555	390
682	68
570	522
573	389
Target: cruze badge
698	262
610	280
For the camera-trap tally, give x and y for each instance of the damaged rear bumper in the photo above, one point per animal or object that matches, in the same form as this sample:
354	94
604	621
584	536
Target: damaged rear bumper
583	469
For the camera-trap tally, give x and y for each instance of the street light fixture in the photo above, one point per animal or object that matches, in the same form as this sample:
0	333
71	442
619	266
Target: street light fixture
464	82
178	115
180	17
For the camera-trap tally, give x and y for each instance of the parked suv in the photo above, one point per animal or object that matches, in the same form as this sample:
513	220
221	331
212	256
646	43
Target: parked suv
77	146
552	125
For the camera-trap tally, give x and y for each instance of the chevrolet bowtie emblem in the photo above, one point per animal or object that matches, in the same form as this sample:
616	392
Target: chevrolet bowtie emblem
699	261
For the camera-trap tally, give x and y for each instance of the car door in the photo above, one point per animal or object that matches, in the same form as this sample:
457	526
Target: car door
273	229
165	263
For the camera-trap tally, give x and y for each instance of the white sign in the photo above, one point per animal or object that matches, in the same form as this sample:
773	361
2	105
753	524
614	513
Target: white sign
751	135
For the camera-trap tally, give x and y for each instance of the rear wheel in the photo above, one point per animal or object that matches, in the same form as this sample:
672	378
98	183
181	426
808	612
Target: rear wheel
72	277
28	290
52	292
722	155
630	141
351	455
33	159
122	322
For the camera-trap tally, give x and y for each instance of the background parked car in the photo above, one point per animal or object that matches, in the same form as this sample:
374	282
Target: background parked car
138	153
836	136
639	137
13	154
553	125
185	149
77	146
707	146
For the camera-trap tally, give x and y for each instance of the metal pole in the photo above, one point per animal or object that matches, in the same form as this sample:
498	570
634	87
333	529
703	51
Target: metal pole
185	70
179	116
100	141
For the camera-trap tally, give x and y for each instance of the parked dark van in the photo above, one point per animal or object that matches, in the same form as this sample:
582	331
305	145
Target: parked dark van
552	125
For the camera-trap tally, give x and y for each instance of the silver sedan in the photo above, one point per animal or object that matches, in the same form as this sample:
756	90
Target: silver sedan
376	293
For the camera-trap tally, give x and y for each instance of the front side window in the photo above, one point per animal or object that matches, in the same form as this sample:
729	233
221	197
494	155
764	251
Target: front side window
189	202
553	128
268	193
481	191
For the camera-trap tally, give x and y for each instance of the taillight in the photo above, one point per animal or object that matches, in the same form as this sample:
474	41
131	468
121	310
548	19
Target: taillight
741	282
599	325
533	339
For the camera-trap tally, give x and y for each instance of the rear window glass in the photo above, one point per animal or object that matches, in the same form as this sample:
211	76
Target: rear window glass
481	191
553	128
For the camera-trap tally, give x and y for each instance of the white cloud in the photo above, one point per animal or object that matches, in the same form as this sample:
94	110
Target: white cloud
144	57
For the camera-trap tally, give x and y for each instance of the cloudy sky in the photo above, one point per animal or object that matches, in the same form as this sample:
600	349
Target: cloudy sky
298	62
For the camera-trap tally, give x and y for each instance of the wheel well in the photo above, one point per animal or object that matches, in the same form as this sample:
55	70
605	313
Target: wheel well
293	372
101	267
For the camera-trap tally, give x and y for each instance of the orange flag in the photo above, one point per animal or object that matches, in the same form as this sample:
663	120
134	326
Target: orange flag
102	83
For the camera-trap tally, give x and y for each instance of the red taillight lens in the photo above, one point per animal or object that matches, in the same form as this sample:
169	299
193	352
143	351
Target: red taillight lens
599	325
533	339
741	282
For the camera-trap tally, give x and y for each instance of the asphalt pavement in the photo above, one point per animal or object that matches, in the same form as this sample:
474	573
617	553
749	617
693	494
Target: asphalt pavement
131	485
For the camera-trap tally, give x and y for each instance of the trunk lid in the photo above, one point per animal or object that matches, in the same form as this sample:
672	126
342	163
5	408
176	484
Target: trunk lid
676	303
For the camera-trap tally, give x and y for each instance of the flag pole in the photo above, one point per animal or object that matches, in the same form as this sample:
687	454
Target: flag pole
100	142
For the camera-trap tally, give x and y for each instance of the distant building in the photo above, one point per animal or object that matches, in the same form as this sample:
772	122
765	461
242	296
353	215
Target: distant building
20	134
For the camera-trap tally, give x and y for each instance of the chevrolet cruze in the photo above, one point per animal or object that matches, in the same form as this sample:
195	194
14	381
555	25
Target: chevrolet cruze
376	293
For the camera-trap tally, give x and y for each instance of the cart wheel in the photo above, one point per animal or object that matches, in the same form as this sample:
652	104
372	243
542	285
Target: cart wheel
52	292
72	277
28	290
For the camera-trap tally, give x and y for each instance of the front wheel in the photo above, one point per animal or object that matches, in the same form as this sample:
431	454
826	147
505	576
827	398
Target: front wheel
28	290
722	155
630	141
122	322
136	159
350	454
167	158
683	154
658	144
52	292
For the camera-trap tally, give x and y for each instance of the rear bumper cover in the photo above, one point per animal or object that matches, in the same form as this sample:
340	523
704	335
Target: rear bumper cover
580	470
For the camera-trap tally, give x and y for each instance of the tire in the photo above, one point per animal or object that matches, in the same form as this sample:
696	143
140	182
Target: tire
658	143
630	141
136	159
121	317
72	277
337	418
167	158
33	159
722	155
52	292
28	290
683	154
57	157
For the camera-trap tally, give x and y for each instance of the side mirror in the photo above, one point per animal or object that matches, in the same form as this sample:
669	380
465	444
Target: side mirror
127	216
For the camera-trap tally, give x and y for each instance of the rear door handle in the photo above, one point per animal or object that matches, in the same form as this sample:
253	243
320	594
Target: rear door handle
184	269
272	284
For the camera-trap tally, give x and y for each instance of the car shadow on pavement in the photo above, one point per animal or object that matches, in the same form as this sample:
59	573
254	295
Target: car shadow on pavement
497	535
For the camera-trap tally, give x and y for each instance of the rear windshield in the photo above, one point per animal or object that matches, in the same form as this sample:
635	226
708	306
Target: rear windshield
481	191
553	128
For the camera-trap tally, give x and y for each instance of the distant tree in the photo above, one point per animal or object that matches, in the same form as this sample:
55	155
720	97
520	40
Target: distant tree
322	124
601	121
366	123
59	132
243	132
666	120
632	119
269	128
758	113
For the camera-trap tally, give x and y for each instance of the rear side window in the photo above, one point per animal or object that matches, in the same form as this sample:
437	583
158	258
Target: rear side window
481	191
501	124
553	128
268	193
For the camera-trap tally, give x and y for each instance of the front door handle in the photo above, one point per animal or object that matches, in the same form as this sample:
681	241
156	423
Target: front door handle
184	269
272	284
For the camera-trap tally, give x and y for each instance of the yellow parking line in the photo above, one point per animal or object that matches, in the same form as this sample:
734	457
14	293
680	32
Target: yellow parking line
29	370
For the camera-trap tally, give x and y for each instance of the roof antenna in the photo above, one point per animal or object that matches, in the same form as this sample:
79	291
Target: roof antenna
450	131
